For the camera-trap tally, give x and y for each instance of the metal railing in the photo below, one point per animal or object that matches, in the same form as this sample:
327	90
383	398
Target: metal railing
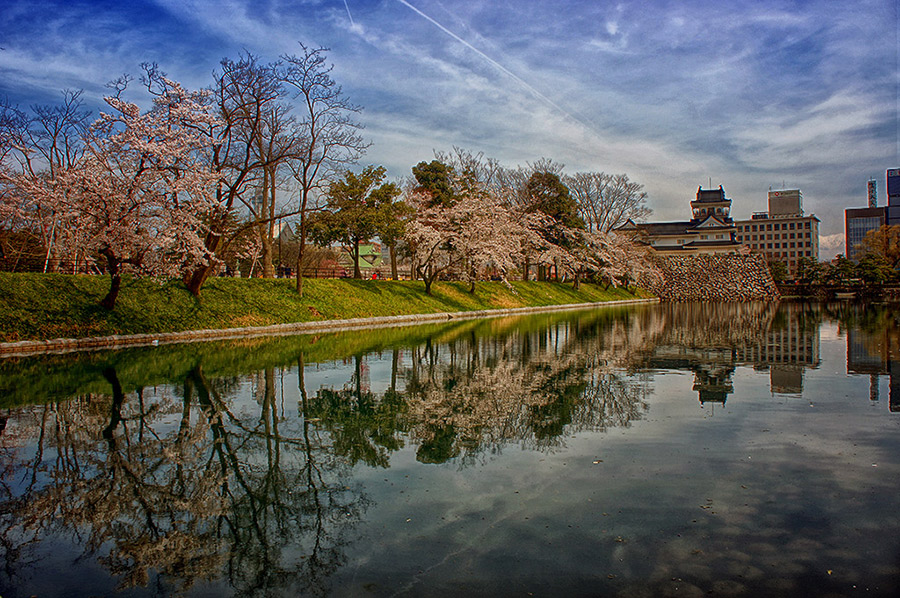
38	264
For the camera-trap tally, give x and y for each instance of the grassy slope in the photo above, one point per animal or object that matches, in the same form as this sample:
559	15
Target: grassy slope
42	306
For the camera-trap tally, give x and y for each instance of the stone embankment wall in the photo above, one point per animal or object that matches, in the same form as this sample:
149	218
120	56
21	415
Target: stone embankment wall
716	278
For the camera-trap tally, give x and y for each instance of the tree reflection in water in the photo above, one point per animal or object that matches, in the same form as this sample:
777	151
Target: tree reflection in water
477	392
187	488
188	481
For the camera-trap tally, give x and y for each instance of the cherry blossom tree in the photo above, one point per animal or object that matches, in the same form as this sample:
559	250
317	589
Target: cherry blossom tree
473	214
477	232
138	193
610	258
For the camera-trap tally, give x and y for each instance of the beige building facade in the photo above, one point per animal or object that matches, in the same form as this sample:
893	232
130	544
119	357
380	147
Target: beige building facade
784	233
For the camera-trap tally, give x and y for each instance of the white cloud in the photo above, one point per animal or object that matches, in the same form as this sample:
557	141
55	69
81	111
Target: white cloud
826	135
670	94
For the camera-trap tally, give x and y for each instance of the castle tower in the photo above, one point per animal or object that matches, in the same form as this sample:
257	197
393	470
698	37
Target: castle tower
711	202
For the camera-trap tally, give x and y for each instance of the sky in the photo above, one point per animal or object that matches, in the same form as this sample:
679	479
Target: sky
676	94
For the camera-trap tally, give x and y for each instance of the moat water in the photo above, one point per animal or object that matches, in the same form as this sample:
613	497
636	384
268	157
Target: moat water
683	450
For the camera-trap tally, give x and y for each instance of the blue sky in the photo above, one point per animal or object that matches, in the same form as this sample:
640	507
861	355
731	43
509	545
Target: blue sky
746	94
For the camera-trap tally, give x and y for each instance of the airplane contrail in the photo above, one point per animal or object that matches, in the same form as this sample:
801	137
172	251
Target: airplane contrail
347	6
493	63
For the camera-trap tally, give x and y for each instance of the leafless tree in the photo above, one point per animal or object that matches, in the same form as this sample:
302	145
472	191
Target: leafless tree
327	134
244	94
38	146
607	201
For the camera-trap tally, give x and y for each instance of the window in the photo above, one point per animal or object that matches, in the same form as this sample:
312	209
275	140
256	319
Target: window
792	227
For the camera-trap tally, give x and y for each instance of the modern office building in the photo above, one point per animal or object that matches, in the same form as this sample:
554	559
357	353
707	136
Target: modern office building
784	233
893	196
710	230
857	223
893	186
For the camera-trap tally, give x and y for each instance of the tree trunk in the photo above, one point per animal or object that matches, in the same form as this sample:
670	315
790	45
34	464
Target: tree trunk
269	266
300	251
194	280
115	283
395	362
115	415
268	269
267	225
394	274
357	273
426	275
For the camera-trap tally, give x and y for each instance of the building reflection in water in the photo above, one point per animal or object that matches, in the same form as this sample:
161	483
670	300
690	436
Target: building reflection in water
783	339
872	349
787	348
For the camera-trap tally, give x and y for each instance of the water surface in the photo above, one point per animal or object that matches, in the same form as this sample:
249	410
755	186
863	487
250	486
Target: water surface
684	450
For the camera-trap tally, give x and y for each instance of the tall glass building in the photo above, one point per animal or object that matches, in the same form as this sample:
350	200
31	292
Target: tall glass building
858	222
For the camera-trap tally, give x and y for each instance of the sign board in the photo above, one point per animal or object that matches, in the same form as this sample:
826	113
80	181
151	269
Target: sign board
785	203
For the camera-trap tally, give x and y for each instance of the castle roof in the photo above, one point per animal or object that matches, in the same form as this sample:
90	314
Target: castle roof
711	195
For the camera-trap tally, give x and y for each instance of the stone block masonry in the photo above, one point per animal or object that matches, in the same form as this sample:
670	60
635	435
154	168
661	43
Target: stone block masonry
719	277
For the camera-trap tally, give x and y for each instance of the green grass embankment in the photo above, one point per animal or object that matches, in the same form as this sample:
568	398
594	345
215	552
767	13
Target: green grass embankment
51	377
46	306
